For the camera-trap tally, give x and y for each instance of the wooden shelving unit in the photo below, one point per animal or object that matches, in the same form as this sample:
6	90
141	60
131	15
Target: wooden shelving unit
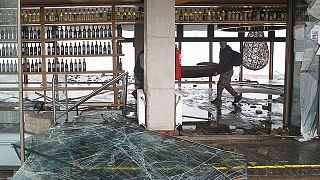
43	25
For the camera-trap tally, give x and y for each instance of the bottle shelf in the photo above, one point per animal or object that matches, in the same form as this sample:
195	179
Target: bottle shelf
8	41
25	56
31	40
6	57
129	22
234	22
94	22
83	39
85	55
8	73
78	72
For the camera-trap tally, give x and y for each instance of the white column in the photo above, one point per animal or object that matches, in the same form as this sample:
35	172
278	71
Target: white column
159	41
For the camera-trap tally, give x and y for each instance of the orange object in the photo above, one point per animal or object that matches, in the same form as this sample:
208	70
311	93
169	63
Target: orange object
178	65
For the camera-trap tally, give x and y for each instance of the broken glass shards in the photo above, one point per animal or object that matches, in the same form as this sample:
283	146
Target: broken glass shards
119	149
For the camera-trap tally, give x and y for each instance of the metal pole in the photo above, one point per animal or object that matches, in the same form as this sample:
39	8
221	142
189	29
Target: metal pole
67	100
124	94
54	99
20	79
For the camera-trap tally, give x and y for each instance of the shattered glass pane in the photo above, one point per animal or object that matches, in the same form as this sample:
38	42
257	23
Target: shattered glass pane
119	149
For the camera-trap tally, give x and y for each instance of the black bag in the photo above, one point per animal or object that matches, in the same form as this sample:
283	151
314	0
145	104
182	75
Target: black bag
237	59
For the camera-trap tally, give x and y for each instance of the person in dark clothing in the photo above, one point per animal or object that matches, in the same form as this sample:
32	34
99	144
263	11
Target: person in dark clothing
225	69
139	73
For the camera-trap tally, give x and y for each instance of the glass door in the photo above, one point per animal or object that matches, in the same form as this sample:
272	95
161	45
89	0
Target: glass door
9	82
304	111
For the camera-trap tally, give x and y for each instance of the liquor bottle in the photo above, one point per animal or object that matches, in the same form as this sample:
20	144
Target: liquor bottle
89	32
53	49
120	48
97	32
35	49
75	49
10	33
23	51
32	66
129	15
62	66
39	66
83	48
47	16
109	14
57	49
84	64
124	15
11	66
39	49
79	65
35	33
118	14
66	49
191	18
31	33
96	48
49	66
88	48
70	33
75	32
15	66
48	33
14	50
26	50
100	48
61	33
66	66
93	32
62	49
56	17
134	14
71	66
110	31
54	65
38	33
7	66
26	35
2	36
105	31
79	49
66	33
92	48
185	15
104	51
101	32
75	65
119	31
52	16
31	50
36	66
79	32
28	66
57	66
84	32
3	67
70	49
109	48
0	67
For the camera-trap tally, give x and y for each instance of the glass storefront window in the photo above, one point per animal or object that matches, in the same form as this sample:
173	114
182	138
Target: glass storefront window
306	68
195	31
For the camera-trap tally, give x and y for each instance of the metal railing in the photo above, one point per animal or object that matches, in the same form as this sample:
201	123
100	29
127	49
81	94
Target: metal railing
122	76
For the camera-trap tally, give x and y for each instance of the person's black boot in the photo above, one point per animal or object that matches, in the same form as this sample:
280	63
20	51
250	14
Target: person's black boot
237	99
217	101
